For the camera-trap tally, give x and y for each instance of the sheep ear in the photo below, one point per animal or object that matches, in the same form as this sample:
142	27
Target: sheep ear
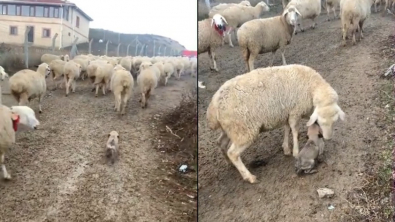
285	12
296	10
342	115
118	136
313	118
109	135
14	116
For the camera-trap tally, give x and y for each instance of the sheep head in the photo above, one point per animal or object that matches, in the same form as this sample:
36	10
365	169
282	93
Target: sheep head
245	3
326	116
291	15
265	7
145	65
26	116
219	23
44	69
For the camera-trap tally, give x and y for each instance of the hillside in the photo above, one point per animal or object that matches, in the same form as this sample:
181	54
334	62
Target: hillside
98	48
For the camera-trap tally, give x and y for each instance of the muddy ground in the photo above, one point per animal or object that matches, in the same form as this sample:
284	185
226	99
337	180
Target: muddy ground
359	144
60	173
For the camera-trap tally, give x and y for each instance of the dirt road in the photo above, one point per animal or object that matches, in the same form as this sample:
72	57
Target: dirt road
358	142
59	171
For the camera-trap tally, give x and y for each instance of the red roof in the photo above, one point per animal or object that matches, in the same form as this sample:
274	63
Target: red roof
189	53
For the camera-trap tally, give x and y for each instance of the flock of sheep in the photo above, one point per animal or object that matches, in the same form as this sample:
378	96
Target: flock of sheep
268	98
114	74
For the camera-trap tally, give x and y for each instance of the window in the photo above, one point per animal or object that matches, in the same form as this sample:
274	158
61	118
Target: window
46	33
77	22
56	13
18	10
30	34
4	10
39	11
25	10
66	13
46	12
31	11
13	30
11	9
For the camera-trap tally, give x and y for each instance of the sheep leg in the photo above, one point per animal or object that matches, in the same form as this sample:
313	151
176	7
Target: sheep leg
235	33
97	90
223	142
328	11
6	175
230	37
125	102
361	29
234	155
283	57
314	24
73	85
118	102
212	56
24	98
40	99
334	12
344	30
103	87
246	55
286	149
293	123
274	56
251	61
166	79
67	82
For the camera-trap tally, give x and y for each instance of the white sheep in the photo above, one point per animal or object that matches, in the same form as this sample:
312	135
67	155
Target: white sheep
353	15
194	67
122	86
3	73
147	82
57	68
266	99
48	58
10	118
267	35
308	9
218	8
72	72
100	73
313	149
84	62
126	62
211	32
149	65
168	69
332	5
27	84
237	15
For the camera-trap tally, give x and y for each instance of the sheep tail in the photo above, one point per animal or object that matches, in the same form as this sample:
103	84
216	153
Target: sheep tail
212	115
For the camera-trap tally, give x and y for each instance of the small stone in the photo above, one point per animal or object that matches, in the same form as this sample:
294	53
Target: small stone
325	192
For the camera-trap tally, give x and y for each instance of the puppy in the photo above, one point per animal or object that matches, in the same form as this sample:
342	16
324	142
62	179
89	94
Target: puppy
112	146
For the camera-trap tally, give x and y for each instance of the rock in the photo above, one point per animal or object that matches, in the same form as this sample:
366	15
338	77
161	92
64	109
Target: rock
325	192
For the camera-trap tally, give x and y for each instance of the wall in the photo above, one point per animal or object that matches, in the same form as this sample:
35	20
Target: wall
21	22
69	34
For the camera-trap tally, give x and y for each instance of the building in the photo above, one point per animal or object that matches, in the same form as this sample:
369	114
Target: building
46	18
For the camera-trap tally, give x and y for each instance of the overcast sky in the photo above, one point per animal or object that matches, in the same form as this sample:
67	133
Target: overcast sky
176	19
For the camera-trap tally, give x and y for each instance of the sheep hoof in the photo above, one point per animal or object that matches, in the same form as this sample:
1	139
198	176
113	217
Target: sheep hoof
96	95
252	179
67	95
287	152
302	30
7	177
40	111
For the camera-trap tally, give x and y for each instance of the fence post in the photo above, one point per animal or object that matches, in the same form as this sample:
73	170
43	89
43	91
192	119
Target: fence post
73	51
142	48
137	46
90	46
164	51
159	48
119	45
208	4
108	41
127	50
153	50
53	42
26	47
